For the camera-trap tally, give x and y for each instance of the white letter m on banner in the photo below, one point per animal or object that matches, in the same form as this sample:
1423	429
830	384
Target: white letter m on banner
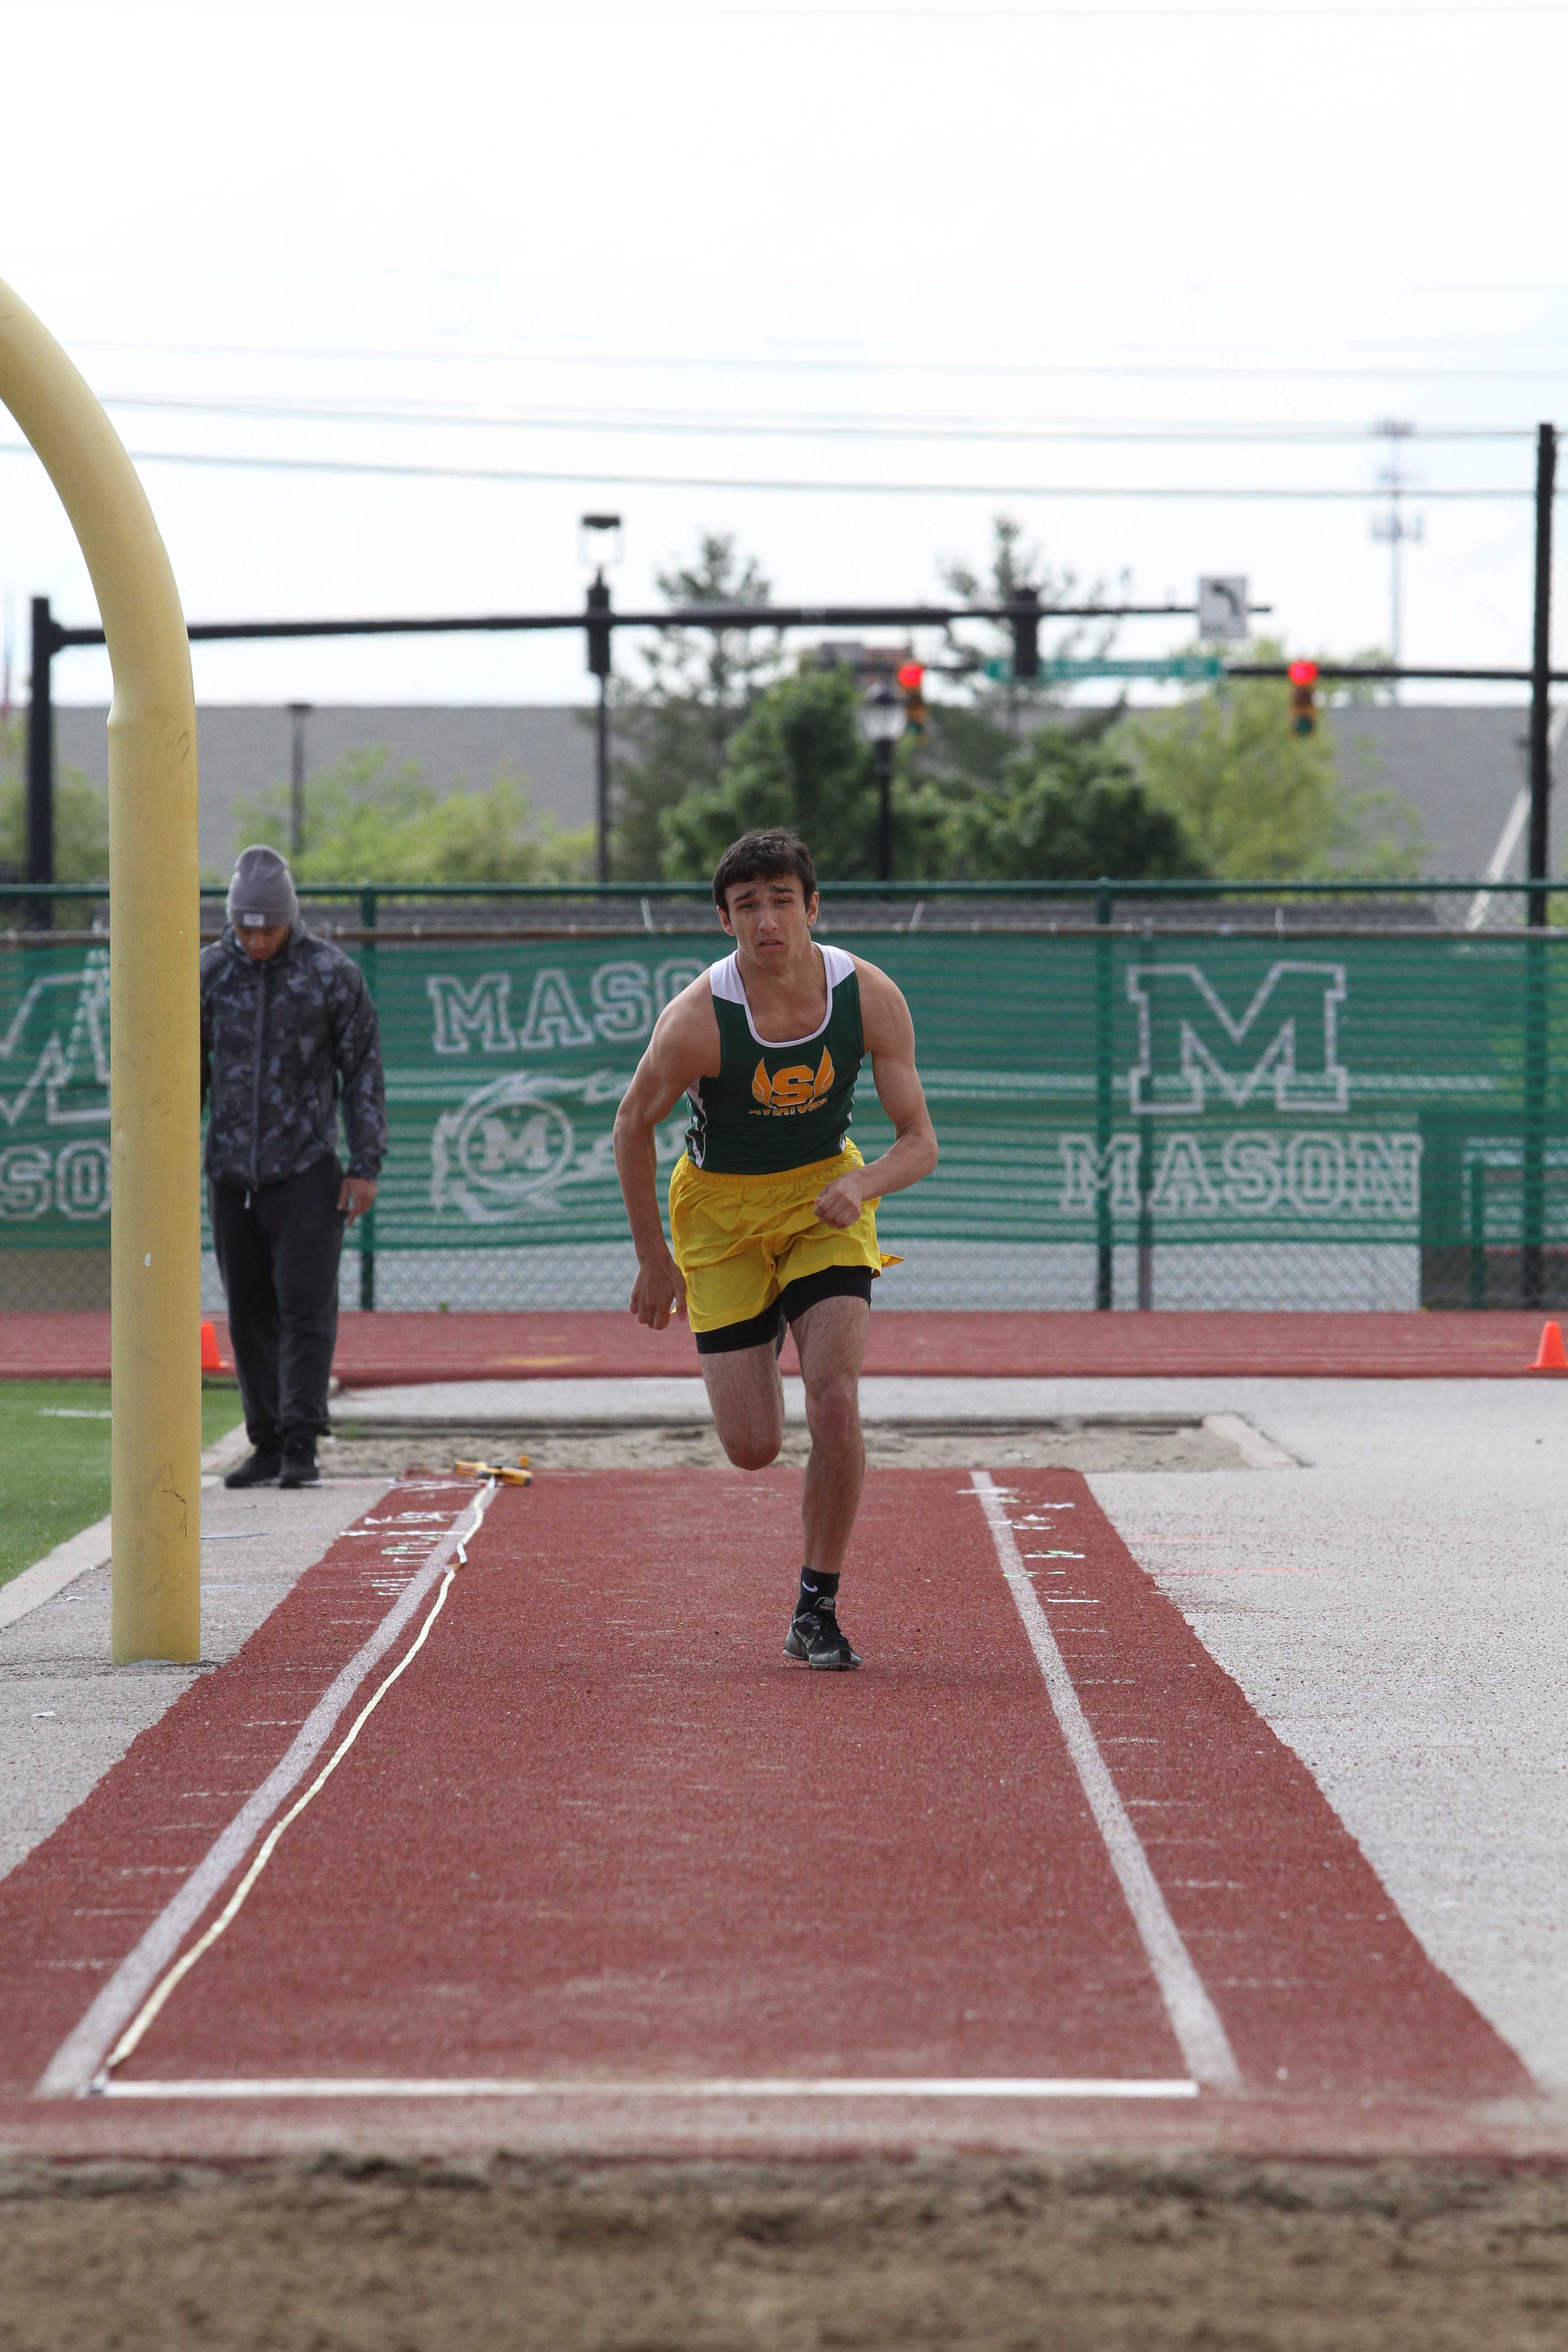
1285	1041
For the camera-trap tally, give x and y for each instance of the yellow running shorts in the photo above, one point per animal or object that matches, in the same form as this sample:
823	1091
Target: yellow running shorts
739	1239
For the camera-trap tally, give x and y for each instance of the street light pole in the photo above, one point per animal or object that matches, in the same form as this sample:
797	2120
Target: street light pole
599	667
298	714
599	544
882	720
41	764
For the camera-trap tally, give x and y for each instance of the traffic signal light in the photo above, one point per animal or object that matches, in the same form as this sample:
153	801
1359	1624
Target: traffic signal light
912	686
1303	678
1026	628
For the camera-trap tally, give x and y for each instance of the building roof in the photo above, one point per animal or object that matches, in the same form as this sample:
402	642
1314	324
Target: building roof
1460	767
245	749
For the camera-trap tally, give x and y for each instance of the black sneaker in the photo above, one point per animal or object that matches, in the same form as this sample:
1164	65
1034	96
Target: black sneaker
816	1638
300	1468
260	1470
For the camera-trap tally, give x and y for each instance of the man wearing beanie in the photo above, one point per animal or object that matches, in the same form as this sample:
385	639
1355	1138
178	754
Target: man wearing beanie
289	1032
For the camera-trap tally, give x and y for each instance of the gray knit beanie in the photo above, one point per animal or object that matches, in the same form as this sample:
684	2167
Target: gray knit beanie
262	892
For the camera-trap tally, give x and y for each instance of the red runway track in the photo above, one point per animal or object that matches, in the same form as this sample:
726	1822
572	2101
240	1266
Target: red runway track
381	1350
599	1833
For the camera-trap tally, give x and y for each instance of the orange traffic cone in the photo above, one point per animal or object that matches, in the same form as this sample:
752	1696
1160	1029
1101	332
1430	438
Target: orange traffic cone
1551	1356
213	1362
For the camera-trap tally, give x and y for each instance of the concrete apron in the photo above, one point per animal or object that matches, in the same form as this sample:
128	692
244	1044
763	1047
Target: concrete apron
66	1714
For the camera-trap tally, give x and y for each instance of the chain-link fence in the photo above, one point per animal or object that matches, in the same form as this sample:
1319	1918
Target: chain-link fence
1158	1097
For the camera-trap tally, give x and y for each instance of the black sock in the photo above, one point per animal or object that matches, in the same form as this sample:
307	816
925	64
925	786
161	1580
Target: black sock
816	1591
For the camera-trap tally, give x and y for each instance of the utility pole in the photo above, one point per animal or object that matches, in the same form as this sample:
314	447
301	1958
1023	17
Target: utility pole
298	713
1395	527
1537	1011
1541	674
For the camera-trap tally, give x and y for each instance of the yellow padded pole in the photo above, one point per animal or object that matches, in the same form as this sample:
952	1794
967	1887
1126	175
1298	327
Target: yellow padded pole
154	1046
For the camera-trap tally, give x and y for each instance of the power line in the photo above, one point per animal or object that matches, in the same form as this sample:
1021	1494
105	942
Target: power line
707	422
986	11
349	466
795	364
1193	10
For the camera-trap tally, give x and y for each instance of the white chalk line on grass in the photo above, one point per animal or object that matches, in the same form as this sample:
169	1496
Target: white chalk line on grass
940	2086
150	1972
1195	2021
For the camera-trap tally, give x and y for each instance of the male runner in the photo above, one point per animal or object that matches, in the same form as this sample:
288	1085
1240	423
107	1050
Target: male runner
772	1208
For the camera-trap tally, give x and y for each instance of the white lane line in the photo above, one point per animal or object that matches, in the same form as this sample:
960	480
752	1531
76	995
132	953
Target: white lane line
70	2072
51	1574
1195	2021
941	2086
181	1967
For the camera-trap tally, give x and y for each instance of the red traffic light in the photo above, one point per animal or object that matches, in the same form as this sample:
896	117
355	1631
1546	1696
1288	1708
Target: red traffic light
1303	673
912	676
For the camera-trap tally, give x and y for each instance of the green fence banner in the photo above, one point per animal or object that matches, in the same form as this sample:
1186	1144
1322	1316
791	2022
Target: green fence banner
1191	1089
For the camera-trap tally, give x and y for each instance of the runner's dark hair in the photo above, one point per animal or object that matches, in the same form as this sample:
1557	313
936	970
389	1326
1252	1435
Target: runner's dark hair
761	858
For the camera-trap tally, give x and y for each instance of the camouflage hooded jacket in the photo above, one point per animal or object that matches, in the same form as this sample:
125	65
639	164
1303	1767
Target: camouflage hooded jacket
281	1041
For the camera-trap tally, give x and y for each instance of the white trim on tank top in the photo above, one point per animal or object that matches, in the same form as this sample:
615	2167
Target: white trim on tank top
724	978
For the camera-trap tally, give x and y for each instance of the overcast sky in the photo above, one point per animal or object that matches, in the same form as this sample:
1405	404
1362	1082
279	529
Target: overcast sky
630	232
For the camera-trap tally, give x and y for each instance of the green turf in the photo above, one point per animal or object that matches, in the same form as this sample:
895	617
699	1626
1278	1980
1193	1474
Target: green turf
54	1461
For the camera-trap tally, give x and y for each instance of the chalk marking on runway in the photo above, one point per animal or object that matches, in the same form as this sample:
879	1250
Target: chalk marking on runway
941	2086
145	1969
1195	2021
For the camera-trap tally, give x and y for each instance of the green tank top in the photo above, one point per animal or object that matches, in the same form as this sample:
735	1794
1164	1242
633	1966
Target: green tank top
776	1107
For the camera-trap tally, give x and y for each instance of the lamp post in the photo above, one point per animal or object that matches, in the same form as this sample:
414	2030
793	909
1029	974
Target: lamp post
298	714
599	545
882	717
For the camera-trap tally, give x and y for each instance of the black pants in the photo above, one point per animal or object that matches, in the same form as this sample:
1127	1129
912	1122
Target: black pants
278	1252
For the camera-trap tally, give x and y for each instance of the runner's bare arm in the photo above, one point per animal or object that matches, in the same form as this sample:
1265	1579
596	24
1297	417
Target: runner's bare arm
889	1036
683	1048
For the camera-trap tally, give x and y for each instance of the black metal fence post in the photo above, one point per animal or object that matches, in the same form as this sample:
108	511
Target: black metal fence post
1104	1099
368	917
1477	1224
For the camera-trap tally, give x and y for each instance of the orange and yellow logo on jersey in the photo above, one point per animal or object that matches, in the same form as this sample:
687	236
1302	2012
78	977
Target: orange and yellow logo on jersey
798	1089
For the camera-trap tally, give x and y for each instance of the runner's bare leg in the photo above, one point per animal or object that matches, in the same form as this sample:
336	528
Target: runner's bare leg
831	1340
747	1397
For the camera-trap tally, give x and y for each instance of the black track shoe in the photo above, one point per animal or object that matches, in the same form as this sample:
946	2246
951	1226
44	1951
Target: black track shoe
300	1468
259	1470
816	1638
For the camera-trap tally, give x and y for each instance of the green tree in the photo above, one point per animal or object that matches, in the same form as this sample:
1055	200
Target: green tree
800	760
1068	808
368	823
1261	804
996	709
81	814
674	726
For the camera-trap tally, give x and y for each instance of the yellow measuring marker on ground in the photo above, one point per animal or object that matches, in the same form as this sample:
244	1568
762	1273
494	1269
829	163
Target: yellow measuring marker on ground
501	1472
